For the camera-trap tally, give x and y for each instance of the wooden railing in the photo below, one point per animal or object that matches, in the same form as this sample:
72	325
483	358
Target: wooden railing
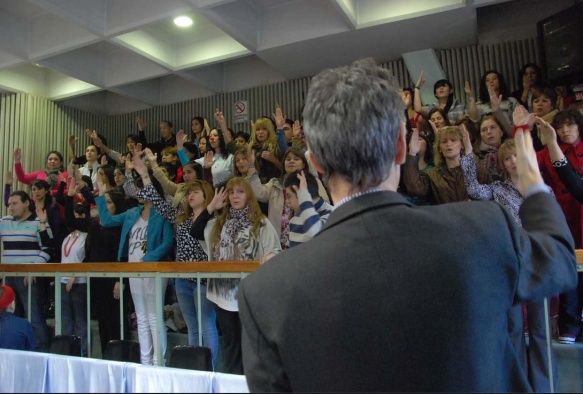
158	271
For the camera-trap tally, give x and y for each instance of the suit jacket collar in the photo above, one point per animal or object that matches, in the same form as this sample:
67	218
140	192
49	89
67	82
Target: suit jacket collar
363	203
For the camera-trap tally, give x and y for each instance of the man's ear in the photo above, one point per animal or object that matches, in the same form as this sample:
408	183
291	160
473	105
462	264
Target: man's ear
315	162
401	145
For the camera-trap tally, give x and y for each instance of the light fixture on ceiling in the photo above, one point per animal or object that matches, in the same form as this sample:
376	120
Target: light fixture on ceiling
183	21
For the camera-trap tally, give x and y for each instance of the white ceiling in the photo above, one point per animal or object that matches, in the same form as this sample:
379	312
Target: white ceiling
111	55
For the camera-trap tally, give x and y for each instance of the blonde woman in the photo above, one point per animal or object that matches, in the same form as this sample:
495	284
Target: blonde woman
264	144
240	232
443	183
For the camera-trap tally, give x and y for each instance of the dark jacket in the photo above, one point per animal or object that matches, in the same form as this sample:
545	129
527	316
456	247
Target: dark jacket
367	306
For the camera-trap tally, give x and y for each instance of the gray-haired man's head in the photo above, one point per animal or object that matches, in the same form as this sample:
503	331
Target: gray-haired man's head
352	121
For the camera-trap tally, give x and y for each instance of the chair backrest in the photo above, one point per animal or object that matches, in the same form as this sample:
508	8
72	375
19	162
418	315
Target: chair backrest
122	350
68	345
191	357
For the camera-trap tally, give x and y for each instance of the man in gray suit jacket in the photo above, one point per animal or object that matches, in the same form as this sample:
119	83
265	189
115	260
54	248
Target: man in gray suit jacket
390	296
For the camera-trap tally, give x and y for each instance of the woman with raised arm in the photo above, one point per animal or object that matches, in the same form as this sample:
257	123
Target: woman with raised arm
486	148
509	193
266	148
145	237
74	290
529	76
92	155
54	165
495	99
241	232
568	140
425	162
443	92
443	183
572	123
198	195
102	247
273	192
199	128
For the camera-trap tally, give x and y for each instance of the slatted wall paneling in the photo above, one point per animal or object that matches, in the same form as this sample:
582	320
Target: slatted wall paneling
38	125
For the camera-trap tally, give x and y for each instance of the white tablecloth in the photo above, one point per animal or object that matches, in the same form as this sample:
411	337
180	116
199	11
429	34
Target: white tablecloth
49	373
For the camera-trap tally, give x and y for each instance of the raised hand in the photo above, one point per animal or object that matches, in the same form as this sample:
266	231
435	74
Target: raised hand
526	162
297	129
8	178
208	159
525	83
219	117
142	125
433	126
95	138
548	132
139	165
72	140
279	117
138	149
17	155
101	187
521	117
414	146
420	81
468	89
207	128
41	213
268	155
103	159
129	164
71	167
218	200
60	177
466	139
180	139
72	190
151	156
250	154
495	100
303	182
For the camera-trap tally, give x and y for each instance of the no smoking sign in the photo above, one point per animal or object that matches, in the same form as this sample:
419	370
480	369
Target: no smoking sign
241	114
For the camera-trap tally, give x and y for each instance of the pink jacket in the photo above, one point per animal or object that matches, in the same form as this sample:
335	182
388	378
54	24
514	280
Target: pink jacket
31	176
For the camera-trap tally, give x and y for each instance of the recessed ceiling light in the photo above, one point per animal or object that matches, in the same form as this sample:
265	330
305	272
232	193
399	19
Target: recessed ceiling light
183	21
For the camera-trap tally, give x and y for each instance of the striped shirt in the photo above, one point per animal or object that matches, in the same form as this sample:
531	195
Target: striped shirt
24	242
309	220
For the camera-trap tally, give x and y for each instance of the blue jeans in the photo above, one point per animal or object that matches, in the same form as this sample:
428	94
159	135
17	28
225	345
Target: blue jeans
37	318
187	299
74	313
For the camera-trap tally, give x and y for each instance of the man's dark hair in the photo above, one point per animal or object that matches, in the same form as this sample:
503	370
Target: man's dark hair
169	123
24	197
292	179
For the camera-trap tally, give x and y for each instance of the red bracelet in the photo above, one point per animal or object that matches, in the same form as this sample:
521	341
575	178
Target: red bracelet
515	128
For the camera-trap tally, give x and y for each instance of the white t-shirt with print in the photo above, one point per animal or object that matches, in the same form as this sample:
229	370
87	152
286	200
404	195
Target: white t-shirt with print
138	240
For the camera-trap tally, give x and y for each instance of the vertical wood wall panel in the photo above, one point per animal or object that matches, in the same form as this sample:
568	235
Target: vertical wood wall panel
38	125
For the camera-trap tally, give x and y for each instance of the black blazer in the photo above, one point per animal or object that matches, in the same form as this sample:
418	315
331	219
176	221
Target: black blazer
393	297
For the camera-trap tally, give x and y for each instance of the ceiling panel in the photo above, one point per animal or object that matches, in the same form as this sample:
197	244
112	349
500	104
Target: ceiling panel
131	51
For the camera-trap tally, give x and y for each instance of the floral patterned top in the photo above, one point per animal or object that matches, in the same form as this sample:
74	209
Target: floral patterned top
187	247
504	193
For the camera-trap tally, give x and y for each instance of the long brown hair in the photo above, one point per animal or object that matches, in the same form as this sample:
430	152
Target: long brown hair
207	191
255	215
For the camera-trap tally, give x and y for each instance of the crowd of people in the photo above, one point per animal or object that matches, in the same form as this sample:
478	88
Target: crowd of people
216	194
